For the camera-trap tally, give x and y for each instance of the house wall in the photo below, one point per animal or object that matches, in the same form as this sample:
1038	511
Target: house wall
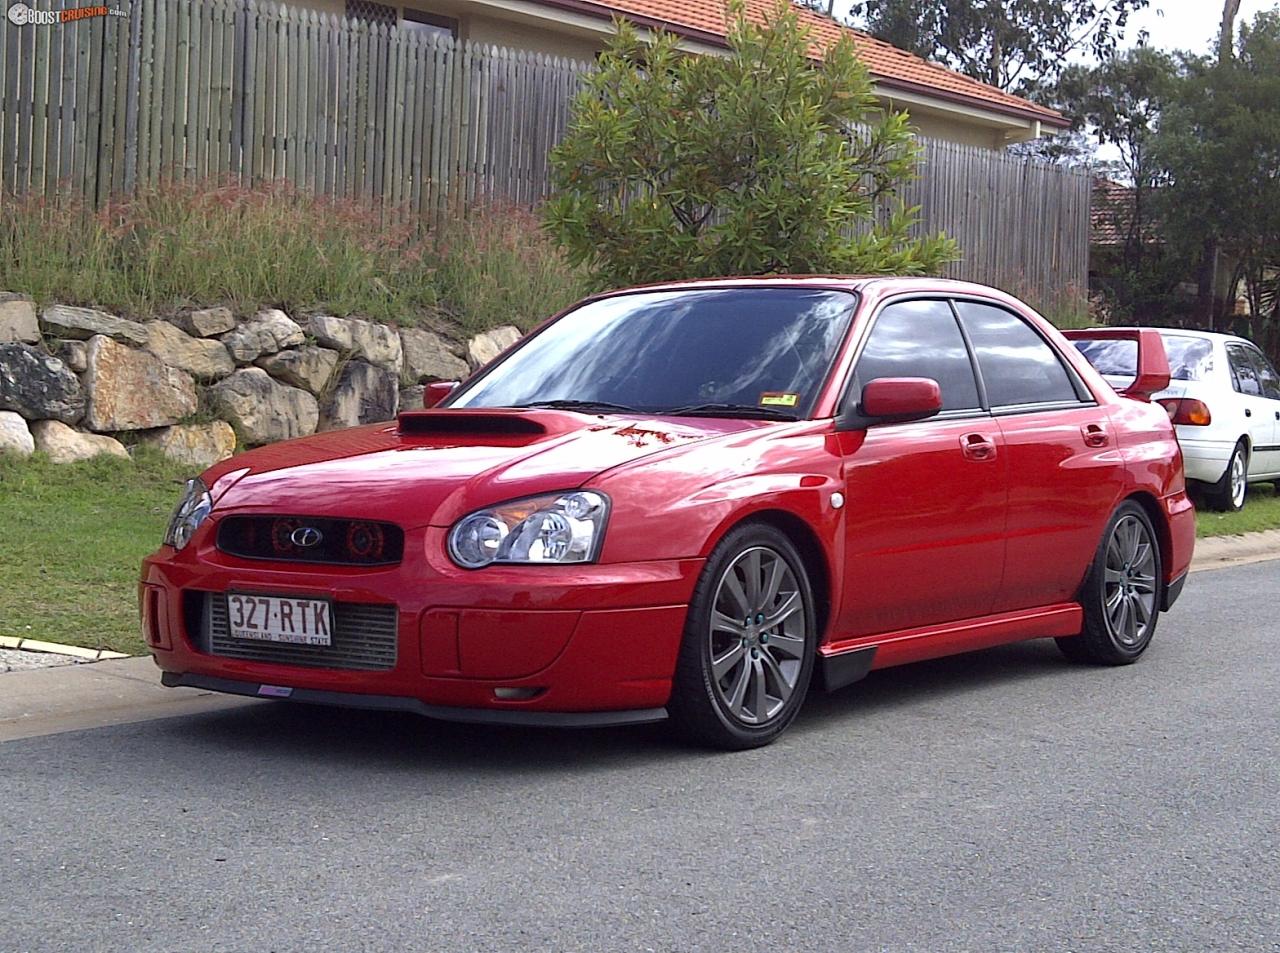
580	41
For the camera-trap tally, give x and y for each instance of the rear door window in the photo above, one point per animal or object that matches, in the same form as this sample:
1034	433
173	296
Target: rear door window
1244	376
920	339
1267	378
1018	365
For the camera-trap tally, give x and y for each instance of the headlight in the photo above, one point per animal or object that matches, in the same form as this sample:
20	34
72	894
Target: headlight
192	510
558	528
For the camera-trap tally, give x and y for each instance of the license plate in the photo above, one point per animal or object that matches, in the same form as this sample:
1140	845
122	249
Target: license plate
279	619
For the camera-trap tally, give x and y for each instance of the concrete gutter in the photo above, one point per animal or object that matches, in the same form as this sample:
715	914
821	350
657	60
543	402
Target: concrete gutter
48	701
1218	552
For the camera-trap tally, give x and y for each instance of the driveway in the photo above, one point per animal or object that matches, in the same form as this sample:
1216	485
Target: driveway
1000	801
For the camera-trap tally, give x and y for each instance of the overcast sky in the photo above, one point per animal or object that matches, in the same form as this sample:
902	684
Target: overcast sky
1175	24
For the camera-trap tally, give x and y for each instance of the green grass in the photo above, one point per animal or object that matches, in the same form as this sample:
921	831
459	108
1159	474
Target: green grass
72	539
1261	512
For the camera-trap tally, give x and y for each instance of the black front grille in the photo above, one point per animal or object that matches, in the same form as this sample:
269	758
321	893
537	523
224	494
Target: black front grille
364	637
312	540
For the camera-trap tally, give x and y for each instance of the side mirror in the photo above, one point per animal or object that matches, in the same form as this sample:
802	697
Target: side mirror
437	392
900	398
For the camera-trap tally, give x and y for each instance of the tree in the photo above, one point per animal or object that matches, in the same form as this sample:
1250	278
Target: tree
1015	45
1120	101
679	166
1219	147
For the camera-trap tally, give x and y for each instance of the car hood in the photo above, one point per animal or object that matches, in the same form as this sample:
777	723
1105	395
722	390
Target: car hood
432	467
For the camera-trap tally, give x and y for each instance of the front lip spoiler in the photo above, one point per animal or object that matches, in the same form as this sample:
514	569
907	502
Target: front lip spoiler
476	716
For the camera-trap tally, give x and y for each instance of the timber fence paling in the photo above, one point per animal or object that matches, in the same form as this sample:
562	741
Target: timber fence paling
256	91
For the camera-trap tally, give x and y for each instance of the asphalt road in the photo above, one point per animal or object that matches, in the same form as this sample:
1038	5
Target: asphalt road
1005	800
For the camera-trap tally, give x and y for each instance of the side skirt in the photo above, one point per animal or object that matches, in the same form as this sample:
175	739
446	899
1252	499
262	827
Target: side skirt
845	661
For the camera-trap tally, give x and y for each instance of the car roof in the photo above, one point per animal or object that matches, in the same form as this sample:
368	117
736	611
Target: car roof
882	284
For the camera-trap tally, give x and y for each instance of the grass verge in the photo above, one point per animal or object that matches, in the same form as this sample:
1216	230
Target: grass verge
1261	512
73	537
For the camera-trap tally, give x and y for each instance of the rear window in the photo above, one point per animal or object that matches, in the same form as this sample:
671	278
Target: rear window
1190	359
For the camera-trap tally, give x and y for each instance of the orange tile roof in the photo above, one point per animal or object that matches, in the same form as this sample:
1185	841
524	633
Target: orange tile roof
891	67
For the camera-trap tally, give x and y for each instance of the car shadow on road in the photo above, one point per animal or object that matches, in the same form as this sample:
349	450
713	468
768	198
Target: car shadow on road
286	731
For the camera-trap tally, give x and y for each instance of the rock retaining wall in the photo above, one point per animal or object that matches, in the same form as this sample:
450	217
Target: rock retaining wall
76	382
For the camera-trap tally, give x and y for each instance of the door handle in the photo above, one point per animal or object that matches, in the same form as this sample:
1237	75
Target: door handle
1095	435
1248	412
977	446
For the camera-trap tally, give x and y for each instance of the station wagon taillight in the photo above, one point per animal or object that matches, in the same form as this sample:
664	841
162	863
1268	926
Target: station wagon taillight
1187	410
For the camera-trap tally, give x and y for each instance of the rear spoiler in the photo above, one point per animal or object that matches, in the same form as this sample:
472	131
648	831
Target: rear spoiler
1152	363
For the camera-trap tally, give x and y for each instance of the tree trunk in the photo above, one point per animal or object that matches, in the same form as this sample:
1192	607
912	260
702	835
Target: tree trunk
1230	10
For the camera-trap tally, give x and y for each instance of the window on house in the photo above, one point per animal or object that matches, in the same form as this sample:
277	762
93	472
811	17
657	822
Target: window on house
379	13
431	23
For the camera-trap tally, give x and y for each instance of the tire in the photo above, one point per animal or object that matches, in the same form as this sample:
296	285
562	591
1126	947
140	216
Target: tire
739	684
1228	494
1121	593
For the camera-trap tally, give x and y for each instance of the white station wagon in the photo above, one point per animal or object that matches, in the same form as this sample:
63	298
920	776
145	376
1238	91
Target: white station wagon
1223	397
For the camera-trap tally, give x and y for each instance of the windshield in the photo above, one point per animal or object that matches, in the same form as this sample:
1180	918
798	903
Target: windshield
1190	359
749	351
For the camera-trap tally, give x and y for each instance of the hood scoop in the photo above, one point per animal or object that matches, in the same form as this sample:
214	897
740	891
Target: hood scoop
480	423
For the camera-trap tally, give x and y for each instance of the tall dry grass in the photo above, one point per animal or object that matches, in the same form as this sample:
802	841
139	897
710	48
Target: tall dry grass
186	245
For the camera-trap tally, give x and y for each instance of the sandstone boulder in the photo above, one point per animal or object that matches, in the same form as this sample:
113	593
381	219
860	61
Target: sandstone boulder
483	348
134	390
38	386
307	367
15	436
266	333
206	360
428	357
198	446
64	445
365	340
364	394
206	322
263	410
18	319
80	324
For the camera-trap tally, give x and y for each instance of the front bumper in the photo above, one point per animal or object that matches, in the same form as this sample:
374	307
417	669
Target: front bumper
573	639
477	716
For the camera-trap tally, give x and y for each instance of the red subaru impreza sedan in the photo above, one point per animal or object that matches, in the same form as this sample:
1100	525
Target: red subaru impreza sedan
691	502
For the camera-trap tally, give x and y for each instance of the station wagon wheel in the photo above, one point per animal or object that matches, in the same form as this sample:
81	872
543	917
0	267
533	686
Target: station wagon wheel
748	649
1121	595
1228	494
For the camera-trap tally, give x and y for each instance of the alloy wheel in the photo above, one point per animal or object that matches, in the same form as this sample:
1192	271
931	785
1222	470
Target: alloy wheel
1130	585
757	636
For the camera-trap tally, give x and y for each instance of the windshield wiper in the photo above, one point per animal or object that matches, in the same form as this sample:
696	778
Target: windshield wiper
584	405
729	410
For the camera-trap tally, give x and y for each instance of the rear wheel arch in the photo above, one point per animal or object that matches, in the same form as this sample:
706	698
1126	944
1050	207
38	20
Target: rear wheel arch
1160	521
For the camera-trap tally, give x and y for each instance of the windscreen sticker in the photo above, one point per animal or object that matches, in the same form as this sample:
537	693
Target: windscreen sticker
774	398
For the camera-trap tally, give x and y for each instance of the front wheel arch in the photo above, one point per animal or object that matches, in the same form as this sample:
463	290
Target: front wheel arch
806	541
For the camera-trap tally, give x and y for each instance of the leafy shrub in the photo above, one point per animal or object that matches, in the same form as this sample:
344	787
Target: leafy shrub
679	166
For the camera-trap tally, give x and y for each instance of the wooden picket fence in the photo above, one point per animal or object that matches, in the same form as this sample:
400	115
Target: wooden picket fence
256	91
